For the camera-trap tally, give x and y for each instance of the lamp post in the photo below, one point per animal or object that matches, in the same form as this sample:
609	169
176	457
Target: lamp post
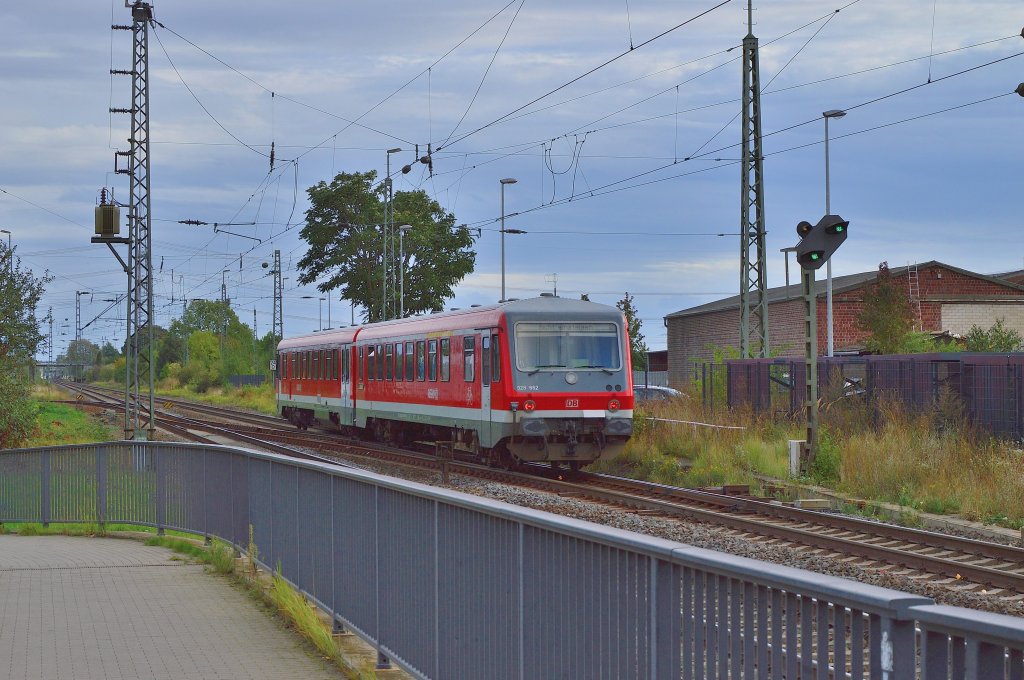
10	254
832	113
401	263
507	180
389	246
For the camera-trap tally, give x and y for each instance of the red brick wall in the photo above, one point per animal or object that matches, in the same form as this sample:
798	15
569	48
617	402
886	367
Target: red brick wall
690	337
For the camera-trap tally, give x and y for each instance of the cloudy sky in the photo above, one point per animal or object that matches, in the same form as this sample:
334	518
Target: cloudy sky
626	160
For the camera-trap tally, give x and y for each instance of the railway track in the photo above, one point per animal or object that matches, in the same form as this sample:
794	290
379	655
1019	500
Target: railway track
924	556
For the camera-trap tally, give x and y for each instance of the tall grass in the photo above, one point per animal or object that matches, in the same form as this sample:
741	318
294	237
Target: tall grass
933	462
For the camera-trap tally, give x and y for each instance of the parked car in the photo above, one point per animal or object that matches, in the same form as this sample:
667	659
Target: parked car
653	394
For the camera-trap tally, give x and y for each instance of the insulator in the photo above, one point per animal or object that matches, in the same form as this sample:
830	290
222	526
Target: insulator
117	110
121	72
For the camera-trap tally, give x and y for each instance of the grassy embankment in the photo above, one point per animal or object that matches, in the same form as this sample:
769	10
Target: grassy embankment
65	424
933	462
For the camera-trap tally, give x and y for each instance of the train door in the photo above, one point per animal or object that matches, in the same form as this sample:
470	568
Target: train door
485	389
347	414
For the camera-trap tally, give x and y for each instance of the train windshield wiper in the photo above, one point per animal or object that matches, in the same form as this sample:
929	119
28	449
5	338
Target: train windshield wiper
540	368
603	368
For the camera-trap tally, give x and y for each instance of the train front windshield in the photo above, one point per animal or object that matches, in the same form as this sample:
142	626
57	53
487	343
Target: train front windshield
567	346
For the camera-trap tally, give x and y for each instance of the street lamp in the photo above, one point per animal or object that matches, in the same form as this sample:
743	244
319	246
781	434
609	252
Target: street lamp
401	263
313	297
507	180
832	113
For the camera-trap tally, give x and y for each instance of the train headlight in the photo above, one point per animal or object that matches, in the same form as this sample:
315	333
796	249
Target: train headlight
613	405
571	378
529	405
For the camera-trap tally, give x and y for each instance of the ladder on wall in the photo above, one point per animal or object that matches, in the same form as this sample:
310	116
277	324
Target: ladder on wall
914	284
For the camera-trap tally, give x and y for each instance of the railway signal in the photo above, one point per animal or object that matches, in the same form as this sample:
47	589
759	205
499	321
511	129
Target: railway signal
819	241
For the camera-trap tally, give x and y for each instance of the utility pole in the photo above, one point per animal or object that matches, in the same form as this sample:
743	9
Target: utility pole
753	258
224	302
140	282
278	322
49	349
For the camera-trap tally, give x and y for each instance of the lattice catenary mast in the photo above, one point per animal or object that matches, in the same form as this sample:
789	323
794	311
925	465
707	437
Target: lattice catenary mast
753	259
140	266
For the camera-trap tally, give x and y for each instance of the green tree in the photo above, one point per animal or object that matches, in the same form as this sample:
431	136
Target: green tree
637	347
347	245
82	353
998	338
886	316
20	338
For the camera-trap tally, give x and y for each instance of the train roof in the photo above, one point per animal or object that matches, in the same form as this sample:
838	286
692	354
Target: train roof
548	308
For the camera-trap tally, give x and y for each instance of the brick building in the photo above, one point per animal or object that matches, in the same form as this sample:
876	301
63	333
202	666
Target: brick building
943	299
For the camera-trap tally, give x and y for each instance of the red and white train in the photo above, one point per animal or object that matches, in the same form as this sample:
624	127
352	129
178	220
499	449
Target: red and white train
544	379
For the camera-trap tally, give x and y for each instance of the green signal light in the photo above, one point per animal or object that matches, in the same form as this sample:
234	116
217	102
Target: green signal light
815	256
838	228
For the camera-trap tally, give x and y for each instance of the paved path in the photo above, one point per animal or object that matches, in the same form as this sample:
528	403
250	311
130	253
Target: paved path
106	609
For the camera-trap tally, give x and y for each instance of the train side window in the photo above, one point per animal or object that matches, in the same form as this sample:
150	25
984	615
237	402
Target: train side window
421	360
389	362
317	364
495	358
485	359
399	361
469	363
380	361
344	364
335	364
371	363
432	360
293	360
303	362
410	362
361	364
445	359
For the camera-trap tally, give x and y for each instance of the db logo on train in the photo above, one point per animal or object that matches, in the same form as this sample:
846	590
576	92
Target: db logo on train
572	403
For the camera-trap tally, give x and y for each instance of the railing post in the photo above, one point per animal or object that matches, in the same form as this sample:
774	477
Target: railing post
101	487
665	620
160	492
44	487
898	649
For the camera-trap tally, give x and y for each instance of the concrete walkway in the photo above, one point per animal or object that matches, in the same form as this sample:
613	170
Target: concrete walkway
106	609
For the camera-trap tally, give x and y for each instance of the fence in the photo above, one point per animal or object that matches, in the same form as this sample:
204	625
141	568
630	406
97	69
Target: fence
248	380
655	378
450	585
989	387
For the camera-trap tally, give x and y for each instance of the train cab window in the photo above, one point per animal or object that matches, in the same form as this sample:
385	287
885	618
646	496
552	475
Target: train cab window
389	362
485	359
495	358
468	358
421	360
410	362
380	361
371	363
445	359
432	360
399	361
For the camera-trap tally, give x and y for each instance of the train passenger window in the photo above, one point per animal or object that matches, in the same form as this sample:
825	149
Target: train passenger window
469	363
389	362
293	359
410	362
399	361
361	365
495	358
432	360
485	359
316	364
421	360
380	361
371	363
344	364
445	359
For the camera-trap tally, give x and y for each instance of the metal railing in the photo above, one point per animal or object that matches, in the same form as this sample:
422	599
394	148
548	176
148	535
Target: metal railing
450	585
